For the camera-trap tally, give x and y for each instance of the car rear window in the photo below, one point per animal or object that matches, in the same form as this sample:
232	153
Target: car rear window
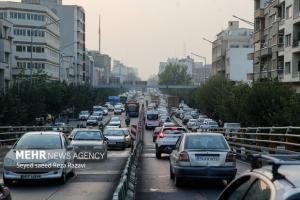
39	141
88	135
152	116
114	133
206	142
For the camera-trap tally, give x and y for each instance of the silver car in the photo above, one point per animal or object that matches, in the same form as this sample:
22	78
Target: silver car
193	124
90	141
116	138
202	156
34	156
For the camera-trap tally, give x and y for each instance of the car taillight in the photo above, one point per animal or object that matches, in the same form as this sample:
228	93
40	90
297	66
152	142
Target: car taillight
230	157
184	157
161	135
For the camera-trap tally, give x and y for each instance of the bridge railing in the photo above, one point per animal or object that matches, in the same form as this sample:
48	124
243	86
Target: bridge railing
266	140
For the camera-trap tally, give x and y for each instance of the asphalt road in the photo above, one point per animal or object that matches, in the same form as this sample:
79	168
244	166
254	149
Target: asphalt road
154	181
96	181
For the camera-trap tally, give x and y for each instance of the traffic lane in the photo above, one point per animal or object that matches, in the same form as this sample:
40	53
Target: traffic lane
96	181
154	180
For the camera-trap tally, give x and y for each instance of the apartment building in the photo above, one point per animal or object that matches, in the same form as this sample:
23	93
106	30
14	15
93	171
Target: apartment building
36	39
6	48
124	73
102	67
230	51
276	41
72	33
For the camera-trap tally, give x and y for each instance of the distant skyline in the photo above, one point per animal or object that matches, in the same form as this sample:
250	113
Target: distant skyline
142	33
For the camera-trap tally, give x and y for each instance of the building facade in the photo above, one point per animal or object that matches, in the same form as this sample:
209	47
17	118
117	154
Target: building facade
36	39
102	67
124	73
230	51
72	33
277	41
6	48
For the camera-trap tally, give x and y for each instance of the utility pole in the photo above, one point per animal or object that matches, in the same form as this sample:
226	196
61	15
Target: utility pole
244	20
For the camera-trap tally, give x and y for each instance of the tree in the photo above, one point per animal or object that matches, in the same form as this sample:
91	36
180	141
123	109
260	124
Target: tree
174	74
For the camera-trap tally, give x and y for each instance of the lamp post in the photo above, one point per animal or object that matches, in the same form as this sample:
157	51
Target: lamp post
204	58
31	44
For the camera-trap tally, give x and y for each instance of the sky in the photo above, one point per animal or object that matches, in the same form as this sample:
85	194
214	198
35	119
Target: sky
142	33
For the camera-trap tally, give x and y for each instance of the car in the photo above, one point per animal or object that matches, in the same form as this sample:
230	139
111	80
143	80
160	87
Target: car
231	127
118	110
202	156
116	138
60	126
163	119
278	180
166	140
4	193
186	119
195	114
115	121
105	111
110	107
98	114
155	133
209	125
84	115
129	141
93	121
169	124
33	143
90	141
193	124
151	119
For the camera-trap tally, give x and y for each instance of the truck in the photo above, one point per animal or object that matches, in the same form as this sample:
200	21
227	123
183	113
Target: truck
113	100
173	101
155	99
132	108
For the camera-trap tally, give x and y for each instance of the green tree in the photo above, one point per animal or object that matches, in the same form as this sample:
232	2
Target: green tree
174	74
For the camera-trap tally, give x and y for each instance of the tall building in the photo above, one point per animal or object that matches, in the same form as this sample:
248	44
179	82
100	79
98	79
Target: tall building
124	73
230	51
6	48
72	33
277	41
36	39
102	67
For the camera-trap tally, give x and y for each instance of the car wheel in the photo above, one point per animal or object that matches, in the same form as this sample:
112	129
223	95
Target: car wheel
158	155
178	181
172	175
62	180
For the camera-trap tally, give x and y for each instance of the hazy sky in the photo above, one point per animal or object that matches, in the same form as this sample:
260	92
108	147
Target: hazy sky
141	33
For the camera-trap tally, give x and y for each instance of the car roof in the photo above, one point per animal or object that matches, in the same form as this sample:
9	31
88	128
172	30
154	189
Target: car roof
204	133
43	133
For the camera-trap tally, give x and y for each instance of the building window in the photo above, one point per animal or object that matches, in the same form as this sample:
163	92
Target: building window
287	67
288	40
289	12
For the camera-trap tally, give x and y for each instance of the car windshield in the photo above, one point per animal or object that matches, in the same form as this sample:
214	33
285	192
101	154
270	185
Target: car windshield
188	117
193	120
113	119
39	141
92	118
126	132
112	132
213	123
84	112
88	135
203	142
152	116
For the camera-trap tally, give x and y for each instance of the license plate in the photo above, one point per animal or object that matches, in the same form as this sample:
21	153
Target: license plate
30	176
207	158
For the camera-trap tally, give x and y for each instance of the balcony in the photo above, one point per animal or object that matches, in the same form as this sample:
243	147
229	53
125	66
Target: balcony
259	13
296	46
257	37
250	56
266	51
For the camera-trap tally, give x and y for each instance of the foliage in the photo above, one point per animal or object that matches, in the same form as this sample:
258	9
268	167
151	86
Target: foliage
174	74
24	102
263	104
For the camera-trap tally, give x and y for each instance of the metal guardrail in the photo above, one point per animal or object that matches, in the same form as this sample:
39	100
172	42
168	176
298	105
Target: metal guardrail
265	140
10	134
126	186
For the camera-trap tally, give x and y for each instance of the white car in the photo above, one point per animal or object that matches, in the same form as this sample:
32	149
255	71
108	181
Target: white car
202	156
84	115
35	144
193	124
209	125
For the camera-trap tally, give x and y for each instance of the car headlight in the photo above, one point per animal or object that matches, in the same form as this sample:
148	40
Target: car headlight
9	162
